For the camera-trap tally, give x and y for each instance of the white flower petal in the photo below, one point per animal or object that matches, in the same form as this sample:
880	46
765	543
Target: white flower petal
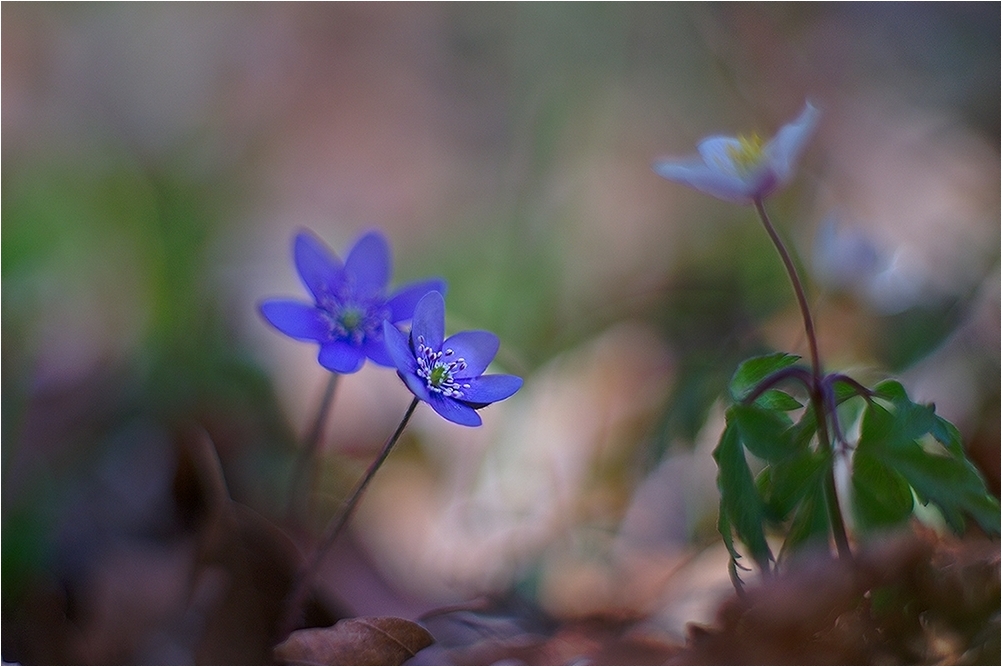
785	149
695	173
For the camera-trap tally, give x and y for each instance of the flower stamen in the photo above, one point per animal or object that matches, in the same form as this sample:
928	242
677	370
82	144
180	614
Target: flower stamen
748	152
438	370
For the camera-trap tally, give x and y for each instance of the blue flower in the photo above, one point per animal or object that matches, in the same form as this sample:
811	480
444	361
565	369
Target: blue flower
743	169
444	372
350	302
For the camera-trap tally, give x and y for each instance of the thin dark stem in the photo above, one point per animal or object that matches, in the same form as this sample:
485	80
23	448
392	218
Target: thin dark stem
817	389
796	372
304	462
860	389
296	598
798	289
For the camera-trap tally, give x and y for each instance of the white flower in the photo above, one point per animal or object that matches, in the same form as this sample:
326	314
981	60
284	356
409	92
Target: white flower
743	169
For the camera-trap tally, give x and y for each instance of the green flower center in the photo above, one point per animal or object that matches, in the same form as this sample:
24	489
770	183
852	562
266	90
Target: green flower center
439	374
351	318
436	368
354	319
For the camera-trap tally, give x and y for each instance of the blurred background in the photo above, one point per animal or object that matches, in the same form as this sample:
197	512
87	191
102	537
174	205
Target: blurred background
158	159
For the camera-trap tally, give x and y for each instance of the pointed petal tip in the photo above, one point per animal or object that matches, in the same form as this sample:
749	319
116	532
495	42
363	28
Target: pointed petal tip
307	241
476	348
369	262
434	299
398	347
429	319
318	266
403	302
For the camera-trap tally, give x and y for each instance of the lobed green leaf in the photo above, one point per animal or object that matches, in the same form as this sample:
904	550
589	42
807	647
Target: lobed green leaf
740	504
892	437
727	534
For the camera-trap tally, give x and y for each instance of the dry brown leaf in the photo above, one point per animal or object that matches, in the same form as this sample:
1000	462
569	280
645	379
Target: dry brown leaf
912	598
374	640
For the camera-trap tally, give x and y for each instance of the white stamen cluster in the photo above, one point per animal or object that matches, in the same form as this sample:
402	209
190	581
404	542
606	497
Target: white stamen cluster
437	370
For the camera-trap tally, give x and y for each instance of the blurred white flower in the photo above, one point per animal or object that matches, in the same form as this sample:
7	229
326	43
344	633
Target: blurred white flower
846	258
744	168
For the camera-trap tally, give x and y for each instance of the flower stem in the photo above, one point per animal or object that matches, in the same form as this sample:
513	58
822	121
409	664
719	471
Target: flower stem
831	494
307	454
817	387
296	598
798	289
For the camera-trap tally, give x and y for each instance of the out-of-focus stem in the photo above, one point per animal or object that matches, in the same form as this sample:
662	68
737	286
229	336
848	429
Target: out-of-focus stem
295	599
307	455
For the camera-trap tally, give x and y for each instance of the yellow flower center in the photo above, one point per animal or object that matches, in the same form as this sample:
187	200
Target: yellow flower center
748	153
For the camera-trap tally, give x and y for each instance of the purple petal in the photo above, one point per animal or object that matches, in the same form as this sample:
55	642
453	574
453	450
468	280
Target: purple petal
398	348
318	267
368	264
340	357
299	320
697	174
784	150
453	411
490	388
416	385
405	299
374	348
476	348
429	320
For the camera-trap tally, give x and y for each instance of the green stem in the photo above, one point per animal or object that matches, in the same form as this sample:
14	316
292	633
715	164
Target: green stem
296	598
831	491
310	445
817	396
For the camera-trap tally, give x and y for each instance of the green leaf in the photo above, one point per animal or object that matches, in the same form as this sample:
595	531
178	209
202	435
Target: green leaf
785	484
752	371
881	496
727	534
892	390
803	431
947	434
952	484
775	399
764	432
810	523
913	420
844	391
892	436
740	503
